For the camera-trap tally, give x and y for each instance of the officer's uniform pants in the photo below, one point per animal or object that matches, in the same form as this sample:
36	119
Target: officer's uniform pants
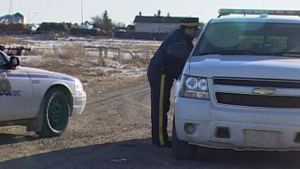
160	84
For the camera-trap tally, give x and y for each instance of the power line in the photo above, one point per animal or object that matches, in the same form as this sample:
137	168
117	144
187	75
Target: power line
31	17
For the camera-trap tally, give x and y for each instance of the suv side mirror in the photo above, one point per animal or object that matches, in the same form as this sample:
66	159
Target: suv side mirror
178	50
14	62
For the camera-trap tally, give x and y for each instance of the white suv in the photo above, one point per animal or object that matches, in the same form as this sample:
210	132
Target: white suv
240	88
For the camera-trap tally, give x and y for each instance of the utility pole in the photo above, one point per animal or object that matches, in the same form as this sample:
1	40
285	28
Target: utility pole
11	8
81	12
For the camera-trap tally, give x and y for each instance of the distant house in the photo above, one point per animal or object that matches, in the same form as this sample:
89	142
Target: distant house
86	25
33	26
130	27
157	24
15	18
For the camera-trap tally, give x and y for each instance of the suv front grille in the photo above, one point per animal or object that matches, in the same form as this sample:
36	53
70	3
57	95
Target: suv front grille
254	100
257	82
258	101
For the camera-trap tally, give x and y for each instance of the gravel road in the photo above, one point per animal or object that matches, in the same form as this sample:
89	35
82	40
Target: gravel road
114	132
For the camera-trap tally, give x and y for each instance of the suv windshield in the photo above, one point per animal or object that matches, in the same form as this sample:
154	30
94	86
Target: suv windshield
251	38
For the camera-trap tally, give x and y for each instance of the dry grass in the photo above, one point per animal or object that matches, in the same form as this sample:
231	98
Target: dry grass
72	60
71	51
94	80
10	41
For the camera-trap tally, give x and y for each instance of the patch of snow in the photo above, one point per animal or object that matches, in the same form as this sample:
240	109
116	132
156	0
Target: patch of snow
112	66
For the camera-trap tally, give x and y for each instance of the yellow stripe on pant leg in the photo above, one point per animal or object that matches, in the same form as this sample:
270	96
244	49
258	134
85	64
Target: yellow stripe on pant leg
161	109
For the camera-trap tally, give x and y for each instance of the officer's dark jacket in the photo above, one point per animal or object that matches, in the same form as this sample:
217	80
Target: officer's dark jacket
171	65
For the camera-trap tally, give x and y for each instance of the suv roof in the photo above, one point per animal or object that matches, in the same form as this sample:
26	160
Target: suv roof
223	12
256	19
241	15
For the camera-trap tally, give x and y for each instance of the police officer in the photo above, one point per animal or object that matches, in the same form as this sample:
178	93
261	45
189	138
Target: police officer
162	70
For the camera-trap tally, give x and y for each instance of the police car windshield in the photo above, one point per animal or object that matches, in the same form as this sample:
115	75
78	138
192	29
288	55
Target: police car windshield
249	38
3	59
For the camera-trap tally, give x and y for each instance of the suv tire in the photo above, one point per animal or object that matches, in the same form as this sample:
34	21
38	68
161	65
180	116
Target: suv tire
181	149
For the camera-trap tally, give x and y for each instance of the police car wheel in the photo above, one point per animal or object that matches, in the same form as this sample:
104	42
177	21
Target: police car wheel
181	149
56	112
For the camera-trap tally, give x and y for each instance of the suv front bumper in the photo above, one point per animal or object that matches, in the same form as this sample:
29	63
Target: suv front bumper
236	127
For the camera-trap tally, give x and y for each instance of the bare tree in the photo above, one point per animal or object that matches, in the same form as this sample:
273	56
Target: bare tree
103	22
97	21
119	25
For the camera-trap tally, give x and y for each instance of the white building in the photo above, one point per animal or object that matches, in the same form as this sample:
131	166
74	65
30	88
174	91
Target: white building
15	18
156	24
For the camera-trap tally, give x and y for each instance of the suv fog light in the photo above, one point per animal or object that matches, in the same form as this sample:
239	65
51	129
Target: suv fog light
189	128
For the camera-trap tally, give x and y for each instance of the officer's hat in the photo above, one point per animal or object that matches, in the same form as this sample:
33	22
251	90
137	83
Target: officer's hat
190	22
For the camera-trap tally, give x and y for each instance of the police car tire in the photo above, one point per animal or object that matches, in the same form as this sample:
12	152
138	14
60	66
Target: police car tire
181	149
55	123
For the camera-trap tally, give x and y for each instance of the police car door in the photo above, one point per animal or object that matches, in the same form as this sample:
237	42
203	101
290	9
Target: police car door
15	92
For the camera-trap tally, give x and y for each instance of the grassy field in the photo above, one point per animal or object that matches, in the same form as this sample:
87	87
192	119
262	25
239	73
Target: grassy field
71	58
11	41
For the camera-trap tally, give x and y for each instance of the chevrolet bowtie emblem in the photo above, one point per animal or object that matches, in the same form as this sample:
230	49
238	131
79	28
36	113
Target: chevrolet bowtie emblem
263	91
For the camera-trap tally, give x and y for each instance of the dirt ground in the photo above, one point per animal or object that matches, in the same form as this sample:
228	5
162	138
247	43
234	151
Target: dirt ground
114	133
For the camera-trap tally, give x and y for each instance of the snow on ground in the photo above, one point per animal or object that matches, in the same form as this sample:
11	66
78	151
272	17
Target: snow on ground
110	64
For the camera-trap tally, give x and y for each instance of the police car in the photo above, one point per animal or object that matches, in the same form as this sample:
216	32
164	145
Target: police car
240	88
39	99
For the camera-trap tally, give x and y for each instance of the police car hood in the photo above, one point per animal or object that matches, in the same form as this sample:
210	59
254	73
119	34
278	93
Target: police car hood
245	66
30	70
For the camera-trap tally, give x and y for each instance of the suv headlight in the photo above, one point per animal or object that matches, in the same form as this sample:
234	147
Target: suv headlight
194	87
78	85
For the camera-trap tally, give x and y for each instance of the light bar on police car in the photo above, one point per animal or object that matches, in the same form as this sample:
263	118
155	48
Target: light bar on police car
224	11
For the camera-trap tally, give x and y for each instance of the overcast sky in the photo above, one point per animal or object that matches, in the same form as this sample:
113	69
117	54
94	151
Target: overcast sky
125	10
